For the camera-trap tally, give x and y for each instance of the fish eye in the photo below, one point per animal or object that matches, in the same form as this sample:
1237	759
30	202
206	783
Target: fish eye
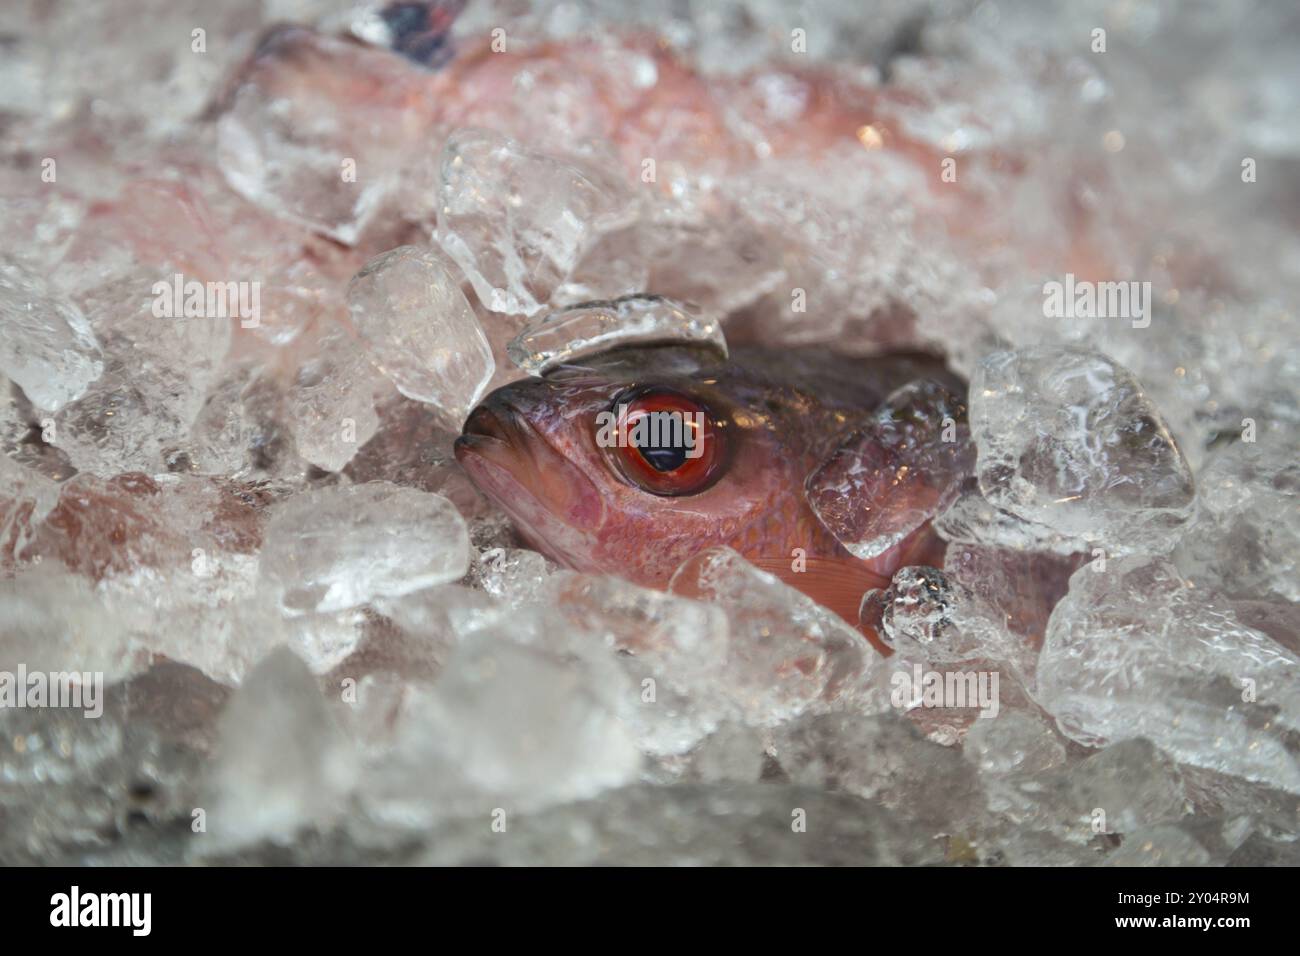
663	441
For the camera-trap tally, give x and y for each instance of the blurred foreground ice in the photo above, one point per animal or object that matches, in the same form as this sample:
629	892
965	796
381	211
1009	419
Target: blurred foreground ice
322	645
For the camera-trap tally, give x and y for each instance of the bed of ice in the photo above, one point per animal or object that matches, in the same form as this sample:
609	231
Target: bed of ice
323	645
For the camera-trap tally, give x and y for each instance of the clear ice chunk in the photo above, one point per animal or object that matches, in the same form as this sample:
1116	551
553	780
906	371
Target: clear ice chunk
408	309
917	607
518	221
673	651
1119	790
785	652
521	722
318	130
882	757
330	406
902	469
506	728
283	761
1067	438
157	372
46	345
971	519
1016	744
1137	651
1247	531
591	327
54	621
334	548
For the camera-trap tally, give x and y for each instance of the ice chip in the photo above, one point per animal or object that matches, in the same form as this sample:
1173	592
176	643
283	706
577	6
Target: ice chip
506	728
421	332
1067	438
46	345
917	606
518	221
1136	651
336	548
592	327
1015	744
330	405
157	371
283	761
1247	531
674	650
888	479
881	757
317	130
785	653
520	722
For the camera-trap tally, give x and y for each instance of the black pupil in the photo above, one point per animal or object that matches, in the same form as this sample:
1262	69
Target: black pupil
667	458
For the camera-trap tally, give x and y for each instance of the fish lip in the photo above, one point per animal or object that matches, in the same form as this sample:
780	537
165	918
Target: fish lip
496	443
483	422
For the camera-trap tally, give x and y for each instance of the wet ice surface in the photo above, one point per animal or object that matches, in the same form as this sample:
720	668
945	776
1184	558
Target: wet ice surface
322	644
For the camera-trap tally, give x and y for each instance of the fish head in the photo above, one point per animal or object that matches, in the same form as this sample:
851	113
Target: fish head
561	455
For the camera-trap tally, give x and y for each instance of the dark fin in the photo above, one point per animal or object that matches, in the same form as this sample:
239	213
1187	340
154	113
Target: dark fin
836	584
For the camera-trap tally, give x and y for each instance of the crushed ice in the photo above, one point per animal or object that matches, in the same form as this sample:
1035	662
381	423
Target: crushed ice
321	643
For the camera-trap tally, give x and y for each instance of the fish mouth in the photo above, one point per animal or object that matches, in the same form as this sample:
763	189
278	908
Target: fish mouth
554	503
484	433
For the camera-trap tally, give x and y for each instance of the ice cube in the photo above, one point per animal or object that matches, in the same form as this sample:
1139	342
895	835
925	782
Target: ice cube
272	785
670	651
336	548
26	498
518	221
521	722
591	327
1006	597
884	758
330	406
55	622
785	652
971	519
1067	438
907	465
514	575
505	729
231	432
1015	744
1137	651
732	753
1132	783
1247	530
157	371
916	608
318	130
46	345
408	309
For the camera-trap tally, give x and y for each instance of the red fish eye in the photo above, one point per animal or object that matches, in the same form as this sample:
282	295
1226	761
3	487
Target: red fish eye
664	441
